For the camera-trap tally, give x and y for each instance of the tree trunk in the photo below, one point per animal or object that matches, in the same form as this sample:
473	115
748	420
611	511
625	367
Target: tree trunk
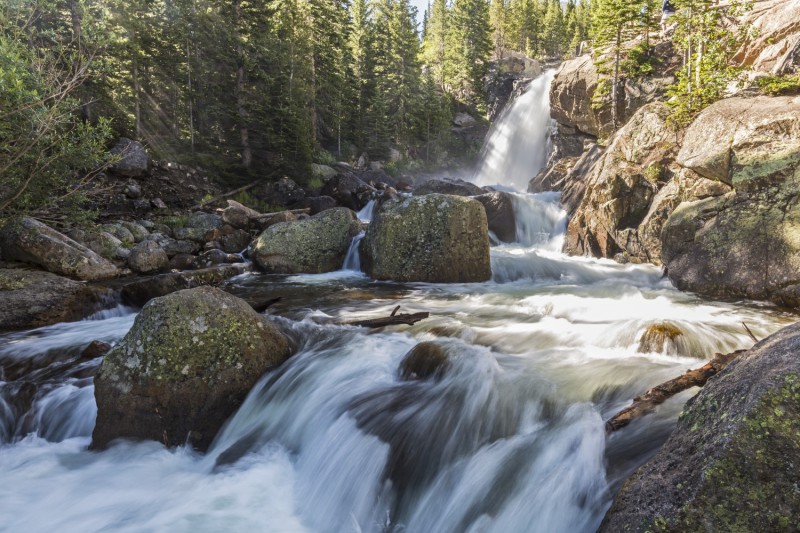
241	101
614	87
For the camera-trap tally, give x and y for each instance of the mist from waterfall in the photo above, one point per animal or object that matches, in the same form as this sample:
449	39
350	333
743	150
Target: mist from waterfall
516	147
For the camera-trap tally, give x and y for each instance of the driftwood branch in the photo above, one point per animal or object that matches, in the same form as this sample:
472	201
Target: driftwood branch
750	333
647	402
234	191
407	319
267	216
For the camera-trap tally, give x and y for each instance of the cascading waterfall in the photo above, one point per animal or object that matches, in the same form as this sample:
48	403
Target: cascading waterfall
516	147
510	439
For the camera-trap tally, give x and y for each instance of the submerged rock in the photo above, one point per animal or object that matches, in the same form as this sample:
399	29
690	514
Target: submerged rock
425	360
30	241
435	238
312	245
731	464
185	366
660	338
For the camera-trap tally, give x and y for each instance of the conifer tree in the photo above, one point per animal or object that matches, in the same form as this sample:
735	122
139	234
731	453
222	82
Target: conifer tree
469	48
434	45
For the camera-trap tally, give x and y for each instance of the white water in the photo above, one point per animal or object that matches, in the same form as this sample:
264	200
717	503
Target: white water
516	147
511	439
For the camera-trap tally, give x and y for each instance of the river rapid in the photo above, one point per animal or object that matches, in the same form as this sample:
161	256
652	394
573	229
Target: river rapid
511	439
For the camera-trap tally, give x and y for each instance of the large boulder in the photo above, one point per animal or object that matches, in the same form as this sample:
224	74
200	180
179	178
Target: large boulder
500	215
731	463
435	238
773	39
312	245
452	186
32	298
30	241
134	161
348	190
185	366
620	188
745	243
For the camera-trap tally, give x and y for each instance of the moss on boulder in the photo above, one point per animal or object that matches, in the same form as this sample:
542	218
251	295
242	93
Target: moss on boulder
435	238
185	366
731	464
312	245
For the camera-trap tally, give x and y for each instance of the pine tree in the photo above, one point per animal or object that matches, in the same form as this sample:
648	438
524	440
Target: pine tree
434	45
469	48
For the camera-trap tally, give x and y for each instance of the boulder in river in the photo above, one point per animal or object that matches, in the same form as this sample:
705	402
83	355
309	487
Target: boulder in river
454	186
746	242
185	366
500	215
32	298
30	241
312	245
425	360
348	190
435	238
731	464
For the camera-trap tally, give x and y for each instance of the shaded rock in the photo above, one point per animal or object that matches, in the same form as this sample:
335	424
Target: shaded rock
147	257
102	243
210	258
30	241
620	189
348	191
452	186
120	232
95	349
499	208
172	246
423	361
204	221
313	245
141	291
270	219
744	243
132	190
134	162
181	262
185	366
434	238
730	465
138	231
323	172
235	242
158	203
32	298
317	204
280	193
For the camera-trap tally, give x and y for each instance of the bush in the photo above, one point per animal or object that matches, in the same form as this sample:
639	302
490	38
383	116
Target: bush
779	85
640	62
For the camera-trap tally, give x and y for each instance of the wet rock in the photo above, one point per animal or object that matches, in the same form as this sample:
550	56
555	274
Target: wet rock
348	191
423	361
453	186
134	162
235	242
141	291
316	244
30	241
499	208
185	366
32	298
147	257
95	349
730	465
211	258
435	238
660	338
744	243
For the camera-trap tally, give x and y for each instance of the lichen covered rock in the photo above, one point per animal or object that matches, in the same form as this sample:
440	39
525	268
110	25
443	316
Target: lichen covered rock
312	245
185	366
731	464
434	238
147	257
745	243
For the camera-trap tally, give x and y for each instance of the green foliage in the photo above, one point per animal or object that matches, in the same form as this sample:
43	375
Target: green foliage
785	85
640	61
48	154
708	43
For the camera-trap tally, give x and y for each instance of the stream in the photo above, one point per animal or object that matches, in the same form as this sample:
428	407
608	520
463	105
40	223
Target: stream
511	439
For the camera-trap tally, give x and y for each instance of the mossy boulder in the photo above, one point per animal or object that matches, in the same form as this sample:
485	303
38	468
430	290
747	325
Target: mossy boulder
731	463
661	337
435	238
745	243
147	257
454	186
185	366
30	241
312	245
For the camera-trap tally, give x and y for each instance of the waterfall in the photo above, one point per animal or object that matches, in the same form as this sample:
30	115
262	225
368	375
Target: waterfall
367	211
352	261
516	147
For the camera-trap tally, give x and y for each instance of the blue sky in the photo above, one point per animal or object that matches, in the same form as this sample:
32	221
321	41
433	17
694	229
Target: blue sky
421	5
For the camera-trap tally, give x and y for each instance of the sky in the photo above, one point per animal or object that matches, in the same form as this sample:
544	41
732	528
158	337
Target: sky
421	6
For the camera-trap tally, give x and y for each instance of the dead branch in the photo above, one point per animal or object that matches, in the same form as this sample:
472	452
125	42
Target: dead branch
234	191
267	216
647	402
750	333
407	319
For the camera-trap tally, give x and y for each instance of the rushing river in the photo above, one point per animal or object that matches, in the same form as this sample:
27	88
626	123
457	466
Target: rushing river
511	439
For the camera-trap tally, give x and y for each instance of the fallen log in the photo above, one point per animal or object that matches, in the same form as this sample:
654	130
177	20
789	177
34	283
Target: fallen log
647	402
267	216
407	319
